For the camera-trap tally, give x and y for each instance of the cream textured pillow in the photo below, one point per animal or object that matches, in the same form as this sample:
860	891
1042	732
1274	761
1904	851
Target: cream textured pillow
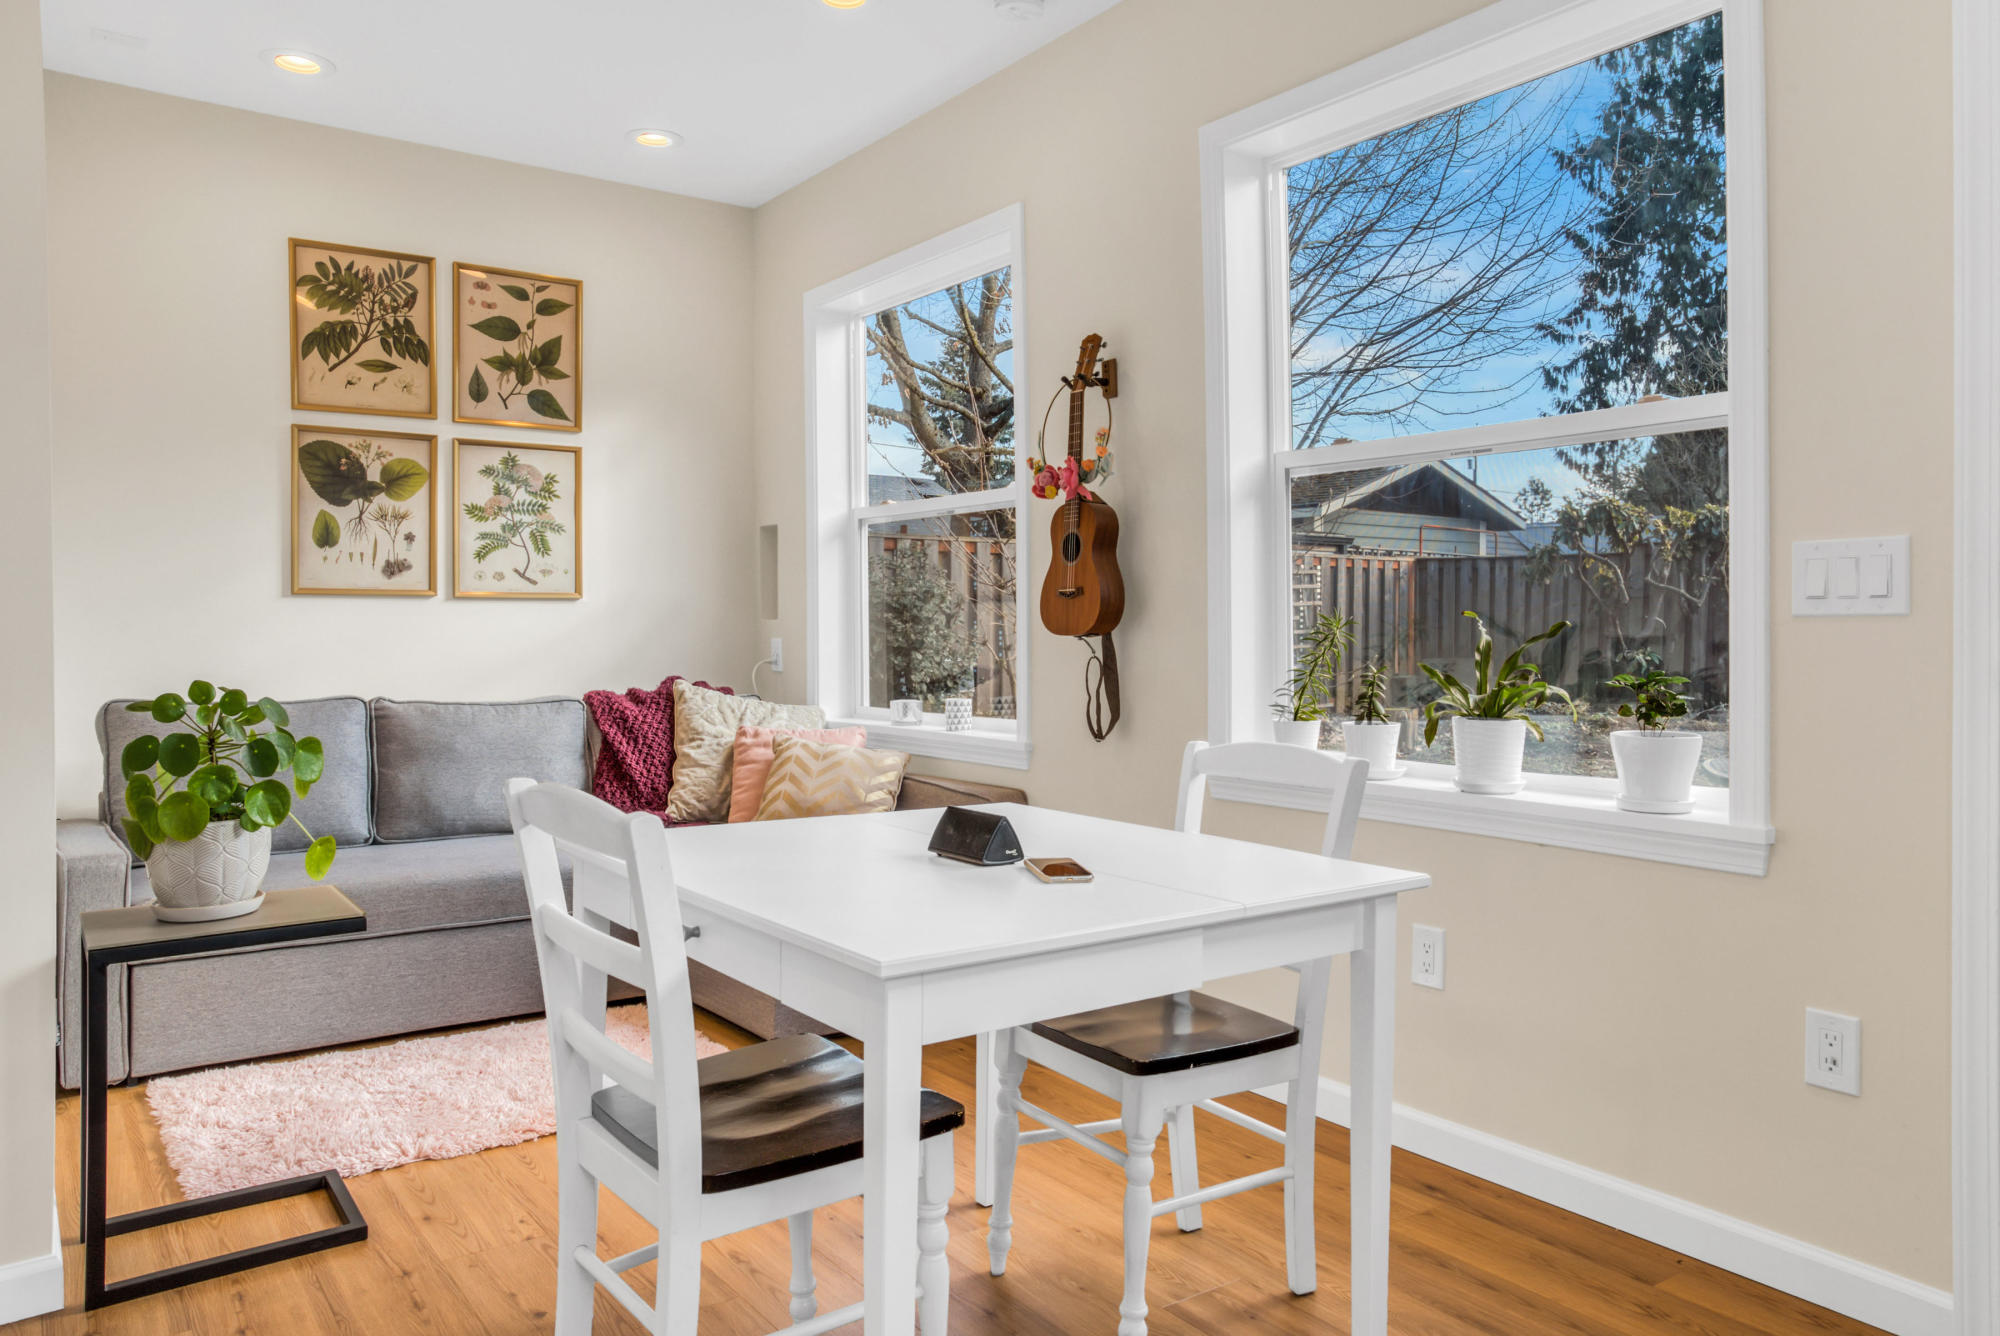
827	779
705	724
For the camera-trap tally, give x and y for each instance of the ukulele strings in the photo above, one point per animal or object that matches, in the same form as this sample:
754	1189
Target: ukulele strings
1074	506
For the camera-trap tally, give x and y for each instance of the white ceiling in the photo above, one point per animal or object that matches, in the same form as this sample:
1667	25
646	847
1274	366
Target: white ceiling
764	92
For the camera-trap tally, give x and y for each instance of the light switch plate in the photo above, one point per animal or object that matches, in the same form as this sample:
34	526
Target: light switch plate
1851	577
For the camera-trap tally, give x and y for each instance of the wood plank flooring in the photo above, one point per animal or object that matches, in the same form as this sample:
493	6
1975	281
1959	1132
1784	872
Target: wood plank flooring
466	1246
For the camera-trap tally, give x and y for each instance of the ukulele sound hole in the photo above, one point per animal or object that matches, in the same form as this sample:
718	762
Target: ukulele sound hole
1072	546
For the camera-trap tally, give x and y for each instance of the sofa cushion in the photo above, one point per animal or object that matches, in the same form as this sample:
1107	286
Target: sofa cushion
705	724
441	767
337	805
408	887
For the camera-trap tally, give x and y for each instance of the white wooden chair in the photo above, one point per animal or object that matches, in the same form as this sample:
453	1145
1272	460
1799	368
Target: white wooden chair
1163	1058
703	1148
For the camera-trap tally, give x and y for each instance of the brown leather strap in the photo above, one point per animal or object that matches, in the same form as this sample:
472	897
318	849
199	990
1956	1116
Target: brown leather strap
1100	688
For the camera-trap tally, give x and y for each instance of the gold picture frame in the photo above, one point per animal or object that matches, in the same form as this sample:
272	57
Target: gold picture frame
379	517
527	334
384	361
483	559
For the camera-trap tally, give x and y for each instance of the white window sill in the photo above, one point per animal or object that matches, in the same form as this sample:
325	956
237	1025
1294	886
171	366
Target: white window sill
982	746
1567	814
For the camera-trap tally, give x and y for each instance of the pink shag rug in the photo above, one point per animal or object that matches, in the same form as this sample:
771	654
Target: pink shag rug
359	1110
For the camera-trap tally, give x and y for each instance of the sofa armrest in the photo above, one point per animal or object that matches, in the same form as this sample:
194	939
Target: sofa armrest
93	871
936	791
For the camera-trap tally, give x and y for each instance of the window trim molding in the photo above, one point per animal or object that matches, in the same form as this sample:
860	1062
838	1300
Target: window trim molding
1243	267
835	495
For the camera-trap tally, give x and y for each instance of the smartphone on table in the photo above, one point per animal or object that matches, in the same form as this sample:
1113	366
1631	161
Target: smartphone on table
1058	869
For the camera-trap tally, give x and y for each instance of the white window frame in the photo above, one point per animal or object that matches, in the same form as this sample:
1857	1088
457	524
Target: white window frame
1249	413
837	490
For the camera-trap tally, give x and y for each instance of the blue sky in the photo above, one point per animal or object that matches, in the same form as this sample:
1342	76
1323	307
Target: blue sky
891	448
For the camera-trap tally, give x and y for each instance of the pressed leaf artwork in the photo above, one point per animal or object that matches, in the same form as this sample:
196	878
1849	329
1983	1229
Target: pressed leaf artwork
363	512
362	330
516	520
516	357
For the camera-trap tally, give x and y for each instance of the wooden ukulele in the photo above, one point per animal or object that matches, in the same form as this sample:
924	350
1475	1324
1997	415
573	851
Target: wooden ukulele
1083	594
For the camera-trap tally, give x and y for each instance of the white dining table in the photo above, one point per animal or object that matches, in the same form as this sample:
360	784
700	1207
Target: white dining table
853	921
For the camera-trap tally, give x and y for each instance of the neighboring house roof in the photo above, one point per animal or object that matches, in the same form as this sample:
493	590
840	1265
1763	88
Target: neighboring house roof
884	488
1432	487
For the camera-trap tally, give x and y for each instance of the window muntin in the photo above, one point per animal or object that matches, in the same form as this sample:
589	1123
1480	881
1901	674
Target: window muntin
1527	538
938	381
1555	247
941	603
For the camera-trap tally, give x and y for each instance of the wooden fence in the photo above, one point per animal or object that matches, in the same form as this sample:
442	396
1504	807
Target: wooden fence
1407	610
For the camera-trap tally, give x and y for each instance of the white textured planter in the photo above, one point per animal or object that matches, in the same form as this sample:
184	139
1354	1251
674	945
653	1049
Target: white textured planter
1297	732
1656	768
1488	754
216	875
1375	744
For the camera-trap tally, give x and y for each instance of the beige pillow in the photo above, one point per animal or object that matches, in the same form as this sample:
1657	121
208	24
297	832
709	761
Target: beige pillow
705	724
827	779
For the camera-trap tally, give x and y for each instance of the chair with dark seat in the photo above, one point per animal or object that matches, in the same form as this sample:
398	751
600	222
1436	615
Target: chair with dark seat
1163	1058
699	1148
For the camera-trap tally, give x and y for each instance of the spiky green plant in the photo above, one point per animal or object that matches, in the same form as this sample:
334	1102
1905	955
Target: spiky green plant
1371	695
1306	691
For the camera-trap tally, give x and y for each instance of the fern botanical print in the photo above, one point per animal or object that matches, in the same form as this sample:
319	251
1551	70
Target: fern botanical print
362	330
516	524
516	358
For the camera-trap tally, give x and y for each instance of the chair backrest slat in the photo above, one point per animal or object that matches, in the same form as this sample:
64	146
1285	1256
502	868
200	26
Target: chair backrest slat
623	875
1343	779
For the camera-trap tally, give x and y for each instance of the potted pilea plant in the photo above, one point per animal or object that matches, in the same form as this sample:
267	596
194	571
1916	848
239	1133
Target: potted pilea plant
1491	718
1300	706
1371	735
201	800
1655	763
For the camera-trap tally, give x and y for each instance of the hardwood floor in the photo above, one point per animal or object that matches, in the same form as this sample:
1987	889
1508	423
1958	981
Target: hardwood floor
466	1245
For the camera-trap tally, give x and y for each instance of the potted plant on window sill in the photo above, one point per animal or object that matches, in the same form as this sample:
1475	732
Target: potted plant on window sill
1300	707
200	801
1491	718
1371	735
1655	763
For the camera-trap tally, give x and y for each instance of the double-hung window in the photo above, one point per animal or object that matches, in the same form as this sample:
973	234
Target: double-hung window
1486	335
917	602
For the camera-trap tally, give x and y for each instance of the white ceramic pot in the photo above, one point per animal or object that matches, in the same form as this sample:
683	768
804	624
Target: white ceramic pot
1375	744
1297	732
957	713
906	712
1656	768
216	875
1488	753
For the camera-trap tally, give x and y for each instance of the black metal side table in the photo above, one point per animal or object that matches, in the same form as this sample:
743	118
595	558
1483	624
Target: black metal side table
121	937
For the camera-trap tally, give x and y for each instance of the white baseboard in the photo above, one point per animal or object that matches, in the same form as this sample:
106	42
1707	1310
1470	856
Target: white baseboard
1856	1289
34	1286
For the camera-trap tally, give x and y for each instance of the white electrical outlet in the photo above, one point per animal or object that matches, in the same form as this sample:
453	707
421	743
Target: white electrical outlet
777	654
1426	955
1833	1051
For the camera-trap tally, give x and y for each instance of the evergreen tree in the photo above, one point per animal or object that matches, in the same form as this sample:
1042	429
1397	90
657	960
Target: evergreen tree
918	619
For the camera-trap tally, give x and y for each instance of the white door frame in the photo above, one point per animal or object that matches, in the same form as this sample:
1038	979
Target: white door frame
1975	890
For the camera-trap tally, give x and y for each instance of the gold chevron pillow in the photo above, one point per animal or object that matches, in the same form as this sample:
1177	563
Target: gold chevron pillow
828	779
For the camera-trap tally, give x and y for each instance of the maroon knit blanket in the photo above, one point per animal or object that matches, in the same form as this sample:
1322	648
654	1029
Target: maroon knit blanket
635	767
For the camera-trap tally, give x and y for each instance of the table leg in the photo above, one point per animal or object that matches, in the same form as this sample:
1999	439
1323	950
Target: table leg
985	1109
892	1079
96	1069
1373	1021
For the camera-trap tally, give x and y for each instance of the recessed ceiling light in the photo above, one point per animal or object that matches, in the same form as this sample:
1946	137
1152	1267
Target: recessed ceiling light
843	4
300	62
656	138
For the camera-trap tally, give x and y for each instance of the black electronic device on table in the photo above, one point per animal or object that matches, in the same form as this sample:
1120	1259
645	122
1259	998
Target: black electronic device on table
984	839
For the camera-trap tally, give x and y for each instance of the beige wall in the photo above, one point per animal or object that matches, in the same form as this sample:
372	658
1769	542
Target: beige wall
27	798
1641	1019
172	420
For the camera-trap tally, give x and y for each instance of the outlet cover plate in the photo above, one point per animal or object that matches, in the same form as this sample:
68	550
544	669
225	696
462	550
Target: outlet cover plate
1426	956
1833	1051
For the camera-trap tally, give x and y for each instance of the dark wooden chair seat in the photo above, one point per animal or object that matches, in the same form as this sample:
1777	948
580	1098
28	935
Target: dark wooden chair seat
1168	1034
768	1111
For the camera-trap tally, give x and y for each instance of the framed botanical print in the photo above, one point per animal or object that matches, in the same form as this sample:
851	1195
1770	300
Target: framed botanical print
363	327
517	520
364	512
516	349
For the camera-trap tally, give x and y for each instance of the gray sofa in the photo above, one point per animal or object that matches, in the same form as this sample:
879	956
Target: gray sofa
413	794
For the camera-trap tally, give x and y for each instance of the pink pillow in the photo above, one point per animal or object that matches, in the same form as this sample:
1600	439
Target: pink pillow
753	761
